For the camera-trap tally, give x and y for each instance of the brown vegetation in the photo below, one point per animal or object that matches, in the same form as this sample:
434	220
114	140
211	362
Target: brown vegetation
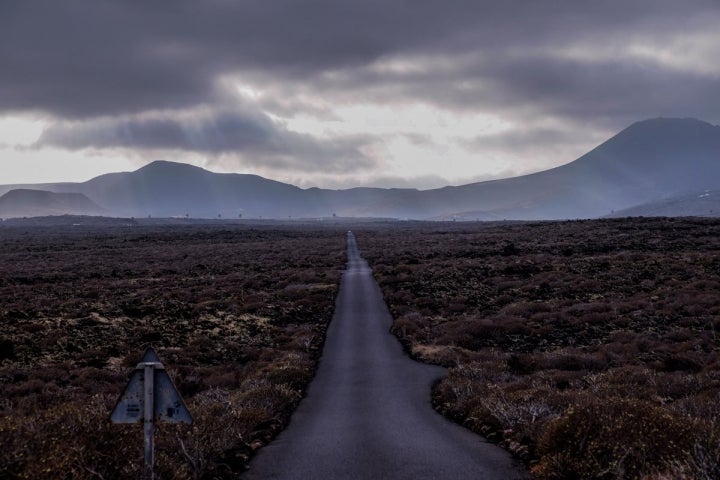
238	316
588	348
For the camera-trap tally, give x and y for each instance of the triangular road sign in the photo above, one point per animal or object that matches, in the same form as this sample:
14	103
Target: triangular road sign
169	406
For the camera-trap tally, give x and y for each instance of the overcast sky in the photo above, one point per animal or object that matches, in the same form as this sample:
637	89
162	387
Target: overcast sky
336	93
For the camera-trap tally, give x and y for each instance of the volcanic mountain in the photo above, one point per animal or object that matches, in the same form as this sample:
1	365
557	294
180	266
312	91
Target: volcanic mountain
645	163
36	203
705	203
648	161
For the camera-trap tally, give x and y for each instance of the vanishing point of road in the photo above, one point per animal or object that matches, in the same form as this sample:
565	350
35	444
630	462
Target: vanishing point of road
367	413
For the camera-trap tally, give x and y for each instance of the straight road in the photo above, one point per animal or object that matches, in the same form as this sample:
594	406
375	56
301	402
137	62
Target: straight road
367	414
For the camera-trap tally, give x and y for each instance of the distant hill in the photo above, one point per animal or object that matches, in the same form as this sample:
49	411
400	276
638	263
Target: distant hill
649	160
35	203
645	163
705	203
169	189
166	189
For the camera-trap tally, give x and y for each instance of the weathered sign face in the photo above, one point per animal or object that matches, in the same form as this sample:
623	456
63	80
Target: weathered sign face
168	405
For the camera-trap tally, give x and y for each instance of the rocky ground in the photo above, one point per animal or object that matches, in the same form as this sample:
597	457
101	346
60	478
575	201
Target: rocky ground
237	314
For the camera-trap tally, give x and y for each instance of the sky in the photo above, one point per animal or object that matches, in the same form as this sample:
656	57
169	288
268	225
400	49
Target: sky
337	93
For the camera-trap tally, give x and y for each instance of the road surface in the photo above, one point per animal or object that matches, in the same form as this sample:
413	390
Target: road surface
367	413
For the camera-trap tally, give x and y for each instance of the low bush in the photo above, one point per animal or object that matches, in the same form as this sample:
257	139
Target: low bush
614	438
587	348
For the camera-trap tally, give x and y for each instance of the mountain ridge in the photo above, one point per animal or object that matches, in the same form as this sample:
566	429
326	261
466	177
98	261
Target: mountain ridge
705	203
649	160
24	202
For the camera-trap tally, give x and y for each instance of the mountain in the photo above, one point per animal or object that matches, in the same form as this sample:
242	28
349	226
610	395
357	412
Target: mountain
166	189
649	161
35	203
705	203
169	189
174	189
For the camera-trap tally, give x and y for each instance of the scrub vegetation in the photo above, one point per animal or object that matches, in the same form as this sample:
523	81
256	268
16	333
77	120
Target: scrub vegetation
588	348
237	314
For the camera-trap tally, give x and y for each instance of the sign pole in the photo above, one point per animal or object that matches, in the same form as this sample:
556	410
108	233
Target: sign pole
149	424
150	397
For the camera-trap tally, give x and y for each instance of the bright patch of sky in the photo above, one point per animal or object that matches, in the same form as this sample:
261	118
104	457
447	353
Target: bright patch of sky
416	140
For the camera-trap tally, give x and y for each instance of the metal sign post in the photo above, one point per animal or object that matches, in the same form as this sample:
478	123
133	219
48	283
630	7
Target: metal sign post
151	392
148	420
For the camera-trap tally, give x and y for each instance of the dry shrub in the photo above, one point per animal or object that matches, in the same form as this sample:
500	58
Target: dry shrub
294	372
613	438
568	361
72	440
436	354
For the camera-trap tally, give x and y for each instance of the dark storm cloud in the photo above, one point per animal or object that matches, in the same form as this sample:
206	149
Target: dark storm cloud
130	74
85	58
258	138
522	138
81	58
601	89
541	83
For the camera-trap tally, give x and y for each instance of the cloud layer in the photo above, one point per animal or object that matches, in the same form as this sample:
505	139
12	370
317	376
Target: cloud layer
220	78
255	136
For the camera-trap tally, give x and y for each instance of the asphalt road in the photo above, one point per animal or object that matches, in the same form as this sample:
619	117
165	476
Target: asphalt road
367	414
